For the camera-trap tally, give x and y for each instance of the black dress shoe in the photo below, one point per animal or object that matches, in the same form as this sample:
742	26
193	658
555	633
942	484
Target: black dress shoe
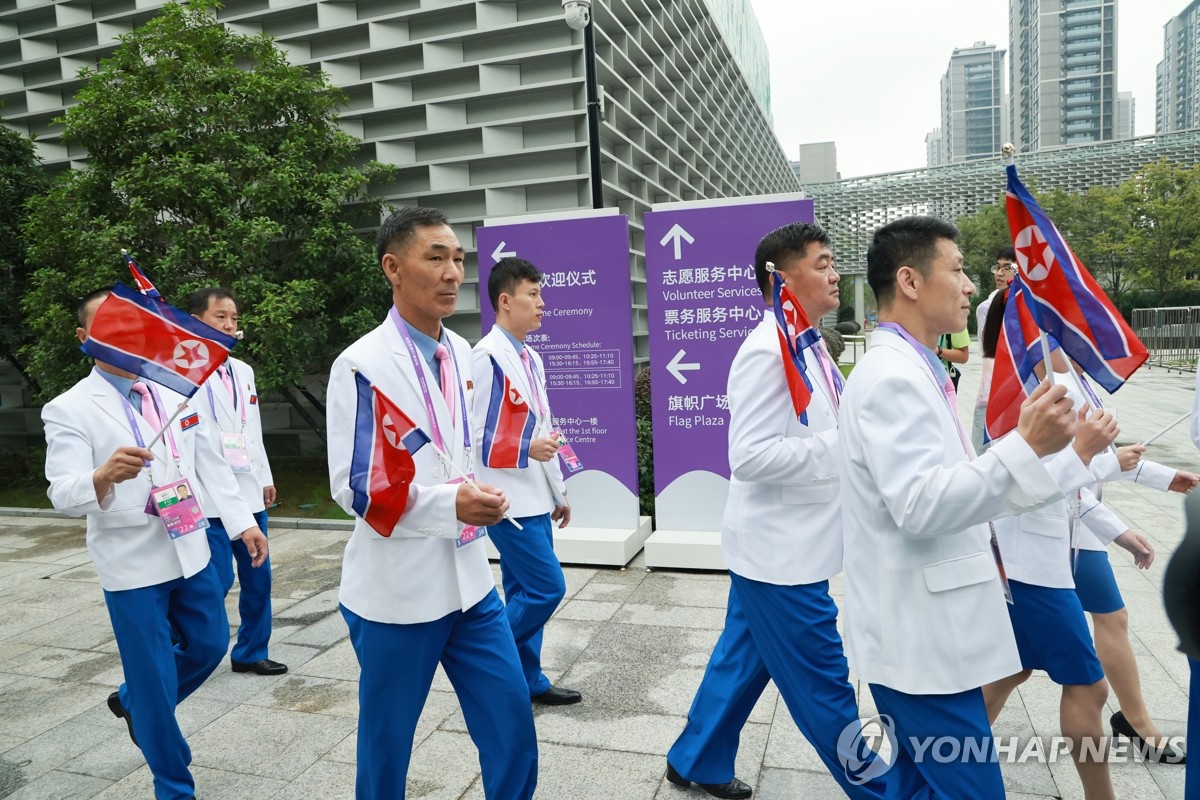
119	711
1166	754
264	667
555	696
734	790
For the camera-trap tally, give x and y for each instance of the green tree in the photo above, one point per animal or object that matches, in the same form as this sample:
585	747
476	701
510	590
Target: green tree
1165	212
21	177
214	161
981	235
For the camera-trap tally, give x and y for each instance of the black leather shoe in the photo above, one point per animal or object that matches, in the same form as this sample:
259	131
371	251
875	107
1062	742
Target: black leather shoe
734	790
555	696
118	710
1166	754
264	667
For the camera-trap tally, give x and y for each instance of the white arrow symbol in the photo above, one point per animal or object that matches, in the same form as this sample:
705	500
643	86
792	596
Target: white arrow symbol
677	233
500	253
677	367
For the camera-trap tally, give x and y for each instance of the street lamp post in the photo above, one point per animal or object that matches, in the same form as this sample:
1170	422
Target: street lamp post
578	15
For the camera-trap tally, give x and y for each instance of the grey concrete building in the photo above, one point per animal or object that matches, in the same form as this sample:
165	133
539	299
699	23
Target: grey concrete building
972	104
933	148
1062	72
817	163
1177	81
481	106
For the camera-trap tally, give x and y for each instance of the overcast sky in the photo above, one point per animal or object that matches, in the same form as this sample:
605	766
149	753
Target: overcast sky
865	73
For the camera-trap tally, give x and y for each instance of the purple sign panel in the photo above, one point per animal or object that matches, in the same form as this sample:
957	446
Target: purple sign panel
586	344
702	301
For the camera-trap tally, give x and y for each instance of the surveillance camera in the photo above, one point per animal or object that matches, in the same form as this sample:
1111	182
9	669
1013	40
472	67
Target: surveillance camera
577	13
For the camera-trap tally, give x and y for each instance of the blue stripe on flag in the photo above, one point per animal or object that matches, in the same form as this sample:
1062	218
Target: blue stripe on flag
364	441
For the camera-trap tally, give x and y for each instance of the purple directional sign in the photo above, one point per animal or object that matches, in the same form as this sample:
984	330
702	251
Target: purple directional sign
702	300
586	344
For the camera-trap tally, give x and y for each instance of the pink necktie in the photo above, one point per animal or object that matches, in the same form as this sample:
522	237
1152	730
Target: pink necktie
149	412
533	387
223	371
442	354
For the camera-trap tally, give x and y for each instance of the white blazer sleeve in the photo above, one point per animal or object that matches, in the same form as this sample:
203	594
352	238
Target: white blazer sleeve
1099	518
431	510
219	482
760	451
68	458
926	497
1069	471
553	467
481	372
1152	474
259	452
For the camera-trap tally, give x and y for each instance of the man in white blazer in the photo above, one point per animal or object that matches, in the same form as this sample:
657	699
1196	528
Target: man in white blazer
158	590
532	577
425	593
782	542
231	395
926	619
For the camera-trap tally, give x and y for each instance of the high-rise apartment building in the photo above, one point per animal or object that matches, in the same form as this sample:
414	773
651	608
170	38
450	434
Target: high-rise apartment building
973	103
933	148
481	106
817	163
1177	84
1062	72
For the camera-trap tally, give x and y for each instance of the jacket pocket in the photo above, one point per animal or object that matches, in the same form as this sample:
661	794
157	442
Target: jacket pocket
954	573
1051	526
806	495
123	518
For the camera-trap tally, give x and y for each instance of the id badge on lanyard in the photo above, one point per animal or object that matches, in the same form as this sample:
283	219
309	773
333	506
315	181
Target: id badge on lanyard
233	445
176	505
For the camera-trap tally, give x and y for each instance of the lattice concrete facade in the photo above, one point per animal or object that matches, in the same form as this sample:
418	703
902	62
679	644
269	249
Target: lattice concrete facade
853	209
480	105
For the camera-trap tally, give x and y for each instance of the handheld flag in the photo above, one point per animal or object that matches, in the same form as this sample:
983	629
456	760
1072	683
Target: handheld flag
1018	351
140	280
161	343
382	466
795	333
509	427
1065	299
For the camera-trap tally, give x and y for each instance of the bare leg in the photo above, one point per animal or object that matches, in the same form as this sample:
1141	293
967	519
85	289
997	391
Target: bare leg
1121	669
1079	713
995	694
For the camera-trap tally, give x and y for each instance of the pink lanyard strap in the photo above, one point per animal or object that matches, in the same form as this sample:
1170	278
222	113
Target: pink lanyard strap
238	400
419	367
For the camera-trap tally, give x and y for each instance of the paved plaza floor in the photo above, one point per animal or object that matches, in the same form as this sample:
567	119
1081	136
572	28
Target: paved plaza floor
634	642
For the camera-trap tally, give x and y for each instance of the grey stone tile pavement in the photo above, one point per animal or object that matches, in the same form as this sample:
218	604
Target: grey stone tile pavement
634	642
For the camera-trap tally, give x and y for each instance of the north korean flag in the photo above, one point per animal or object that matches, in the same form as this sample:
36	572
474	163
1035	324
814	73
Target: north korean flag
1018	351
509	427
139	278
382	466
1064	298
148	337
795	333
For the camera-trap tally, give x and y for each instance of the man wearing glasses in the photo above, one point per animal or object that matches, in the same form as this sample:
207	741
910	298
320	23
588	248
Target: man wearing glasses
1003	272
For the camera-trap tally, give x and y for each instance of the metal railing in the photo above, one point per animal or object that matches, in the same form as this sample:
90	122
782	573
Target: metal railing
1172	335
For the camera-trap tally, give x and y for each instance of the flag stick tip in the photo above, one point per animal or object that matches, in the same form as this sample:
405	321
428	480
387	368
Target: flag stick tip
1008	150
354	369
124	252
770	266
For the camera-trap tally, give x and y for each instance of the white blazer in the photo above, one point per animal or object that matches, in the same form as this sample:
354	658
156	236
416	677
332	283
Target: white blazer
538	488
783	522
229	419
418	574
1036	545
131	550
925	611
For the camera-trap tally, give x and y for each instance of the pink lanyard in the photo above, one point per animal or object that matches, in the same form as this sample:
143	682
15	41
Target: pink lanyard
946	387
419	367
137	433
238	399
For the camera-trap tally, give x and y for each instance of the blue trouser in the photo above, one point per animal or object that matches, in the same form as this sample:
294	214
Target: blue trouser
397	663
1191	780
254	599
917	773
171	636
788	634
533	587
